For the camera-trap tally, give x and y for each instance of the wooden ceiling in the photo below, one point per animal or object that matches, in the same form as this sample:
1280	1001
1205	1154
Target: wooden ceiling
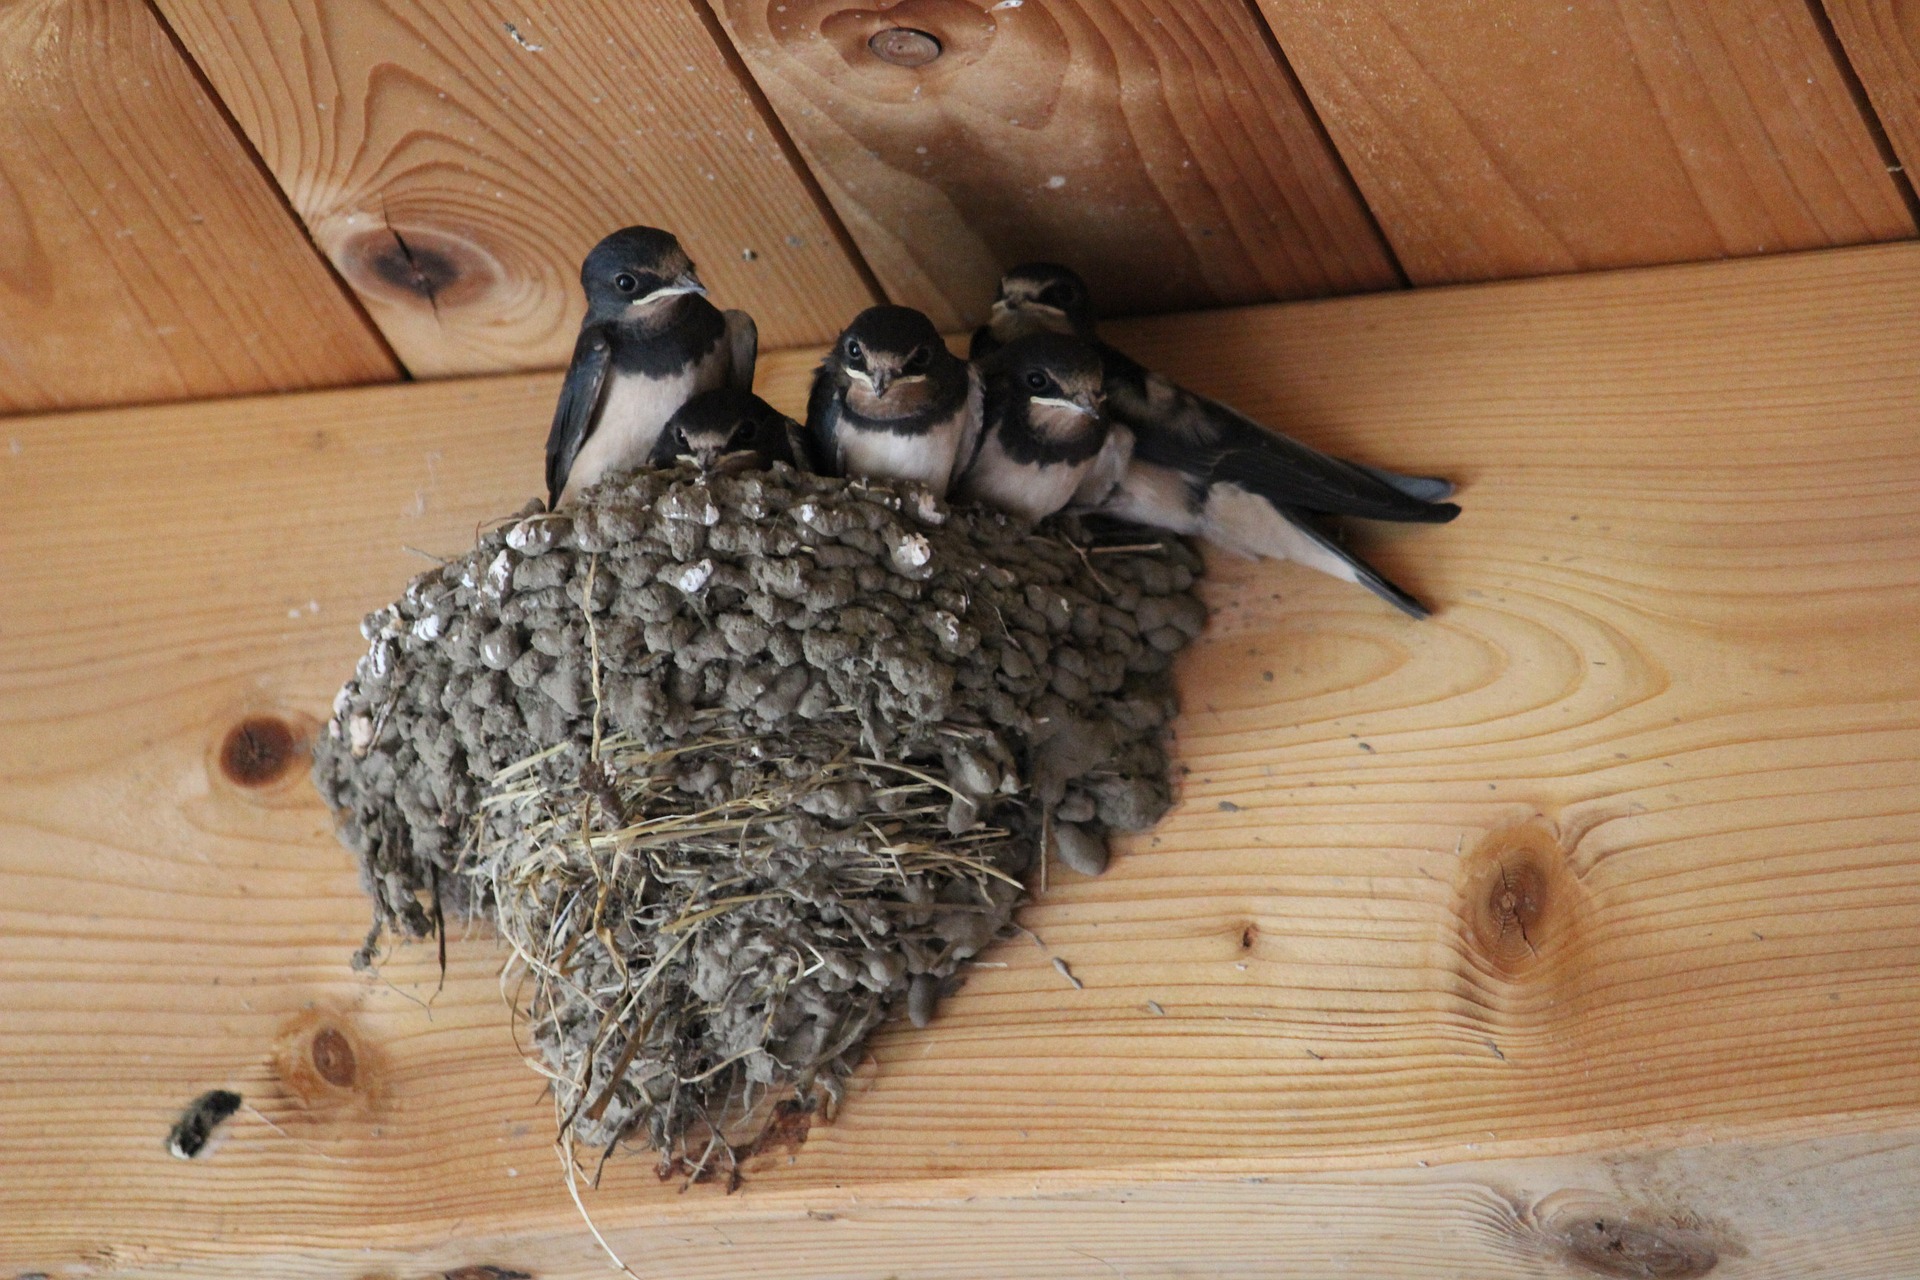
203	198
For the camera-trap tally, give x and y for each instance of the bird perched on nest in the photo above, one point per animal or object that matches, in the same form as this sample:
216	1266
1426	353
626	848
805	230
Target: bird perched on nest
1199	467
649	343
731	430
1045	443
890	401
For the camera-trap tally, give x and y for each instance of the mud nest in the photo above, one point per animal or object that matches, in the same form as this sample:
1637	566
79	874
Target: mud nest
736	764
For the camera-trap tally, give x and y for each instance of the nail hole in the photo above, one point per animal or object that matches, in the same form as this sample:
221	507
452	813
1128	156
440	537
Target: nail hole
904	46
257	751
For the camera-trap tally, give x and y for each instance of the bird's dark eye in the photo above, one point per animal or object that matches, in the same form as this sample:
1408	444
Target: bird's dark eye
855	356
919	360
625	283
1037	380
1056	295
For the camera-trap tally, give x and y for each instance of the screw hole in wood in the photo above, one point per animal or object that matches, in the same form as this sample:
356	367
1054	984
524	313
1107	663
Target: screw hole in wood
905	46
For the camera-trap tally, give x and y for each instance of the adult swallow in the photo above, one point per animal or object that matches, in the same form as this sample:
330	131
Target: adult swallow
1200	467
650	342
891	401
728	429
1045	443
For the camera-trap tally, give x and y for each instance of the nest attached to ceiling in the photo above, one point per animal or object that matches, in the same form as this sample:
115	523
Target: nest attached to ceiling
738	763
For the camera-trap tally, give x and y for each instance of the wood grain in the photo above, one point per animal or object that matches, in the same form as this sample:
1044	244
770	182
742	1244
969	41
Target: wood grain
1600	889
143	256
1882	43
1158	147
456	161
1495	140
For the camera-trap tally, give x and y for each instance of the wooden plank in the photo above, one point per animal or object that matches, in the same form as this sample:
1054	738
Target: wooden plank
1882	42
143	256
456	161
1666	696
1159	147
1495	140
1838	1207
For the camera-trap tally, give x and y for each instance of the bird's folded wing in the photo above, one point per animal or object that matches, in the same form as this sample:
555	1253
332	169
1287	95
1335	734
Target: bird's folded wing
743	348
573	415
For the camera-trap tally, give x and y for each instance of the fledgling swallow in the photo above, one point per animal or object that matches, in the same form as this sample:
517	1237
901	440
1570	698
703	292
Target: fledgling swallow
1045	442
730	430
651	341
890	401
1201	467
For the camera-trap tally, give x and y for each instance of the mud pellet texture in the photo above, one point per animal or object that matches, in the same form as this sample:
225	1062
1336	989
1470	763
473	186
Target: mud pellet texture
740	763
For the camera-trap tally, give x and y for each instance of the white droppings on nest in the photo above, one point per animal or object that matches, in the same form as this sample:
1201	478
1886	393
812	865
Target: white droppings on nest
499	575
531	537
691	578
912	551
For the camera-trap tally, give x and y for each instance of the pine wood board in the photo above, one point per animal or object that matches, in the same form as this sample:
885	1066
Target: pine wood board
143	255
1606	872
456	161
1495	140
1882	43
1161	148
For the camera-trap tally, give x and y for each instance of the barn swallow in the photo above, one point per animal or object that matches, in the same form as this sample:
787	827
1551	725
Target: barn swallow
1173	423
1198	467
891	401
650	342
1240	519
1045	442
728	429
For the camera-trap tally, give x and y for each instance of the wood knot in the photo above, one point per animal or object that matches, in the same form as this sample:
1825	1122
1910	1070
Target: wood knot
1248	936
1609	1246
321	1062
333	1059
415	265
259	751
904	46
1518	897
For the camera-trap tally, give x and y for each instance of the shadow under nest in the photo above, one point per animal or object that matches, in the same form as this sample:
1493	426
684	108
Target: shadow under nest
735	764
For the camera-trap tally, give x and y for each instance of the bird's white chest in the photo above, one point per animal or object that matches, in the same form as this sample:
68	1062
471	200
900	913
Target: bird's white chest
926	457
633	410
1029	490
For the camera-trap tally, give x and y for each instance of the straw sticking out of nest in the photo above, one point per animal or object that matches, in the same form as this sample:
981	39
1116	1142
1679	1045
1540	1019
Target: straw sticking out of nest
735	763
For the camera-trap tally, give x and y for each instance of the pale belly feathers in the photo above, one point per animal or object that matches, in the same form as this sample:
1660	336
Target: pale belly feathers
926	458
633	410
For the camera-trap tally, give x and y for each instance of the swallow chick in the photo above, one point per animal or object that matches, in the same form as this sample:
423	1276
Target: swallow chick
1199	466
1045	443
731	430
890	401
1047	296
650	342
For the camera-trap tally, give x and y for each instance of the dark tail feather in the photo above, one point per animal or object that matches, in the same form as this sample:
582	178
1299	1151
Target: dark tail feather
1425	488
1370	578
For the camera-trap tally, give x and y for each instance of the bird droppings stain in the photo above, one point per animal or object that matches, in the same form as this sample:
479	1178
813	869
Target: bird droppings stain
194	1130
1606	1246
